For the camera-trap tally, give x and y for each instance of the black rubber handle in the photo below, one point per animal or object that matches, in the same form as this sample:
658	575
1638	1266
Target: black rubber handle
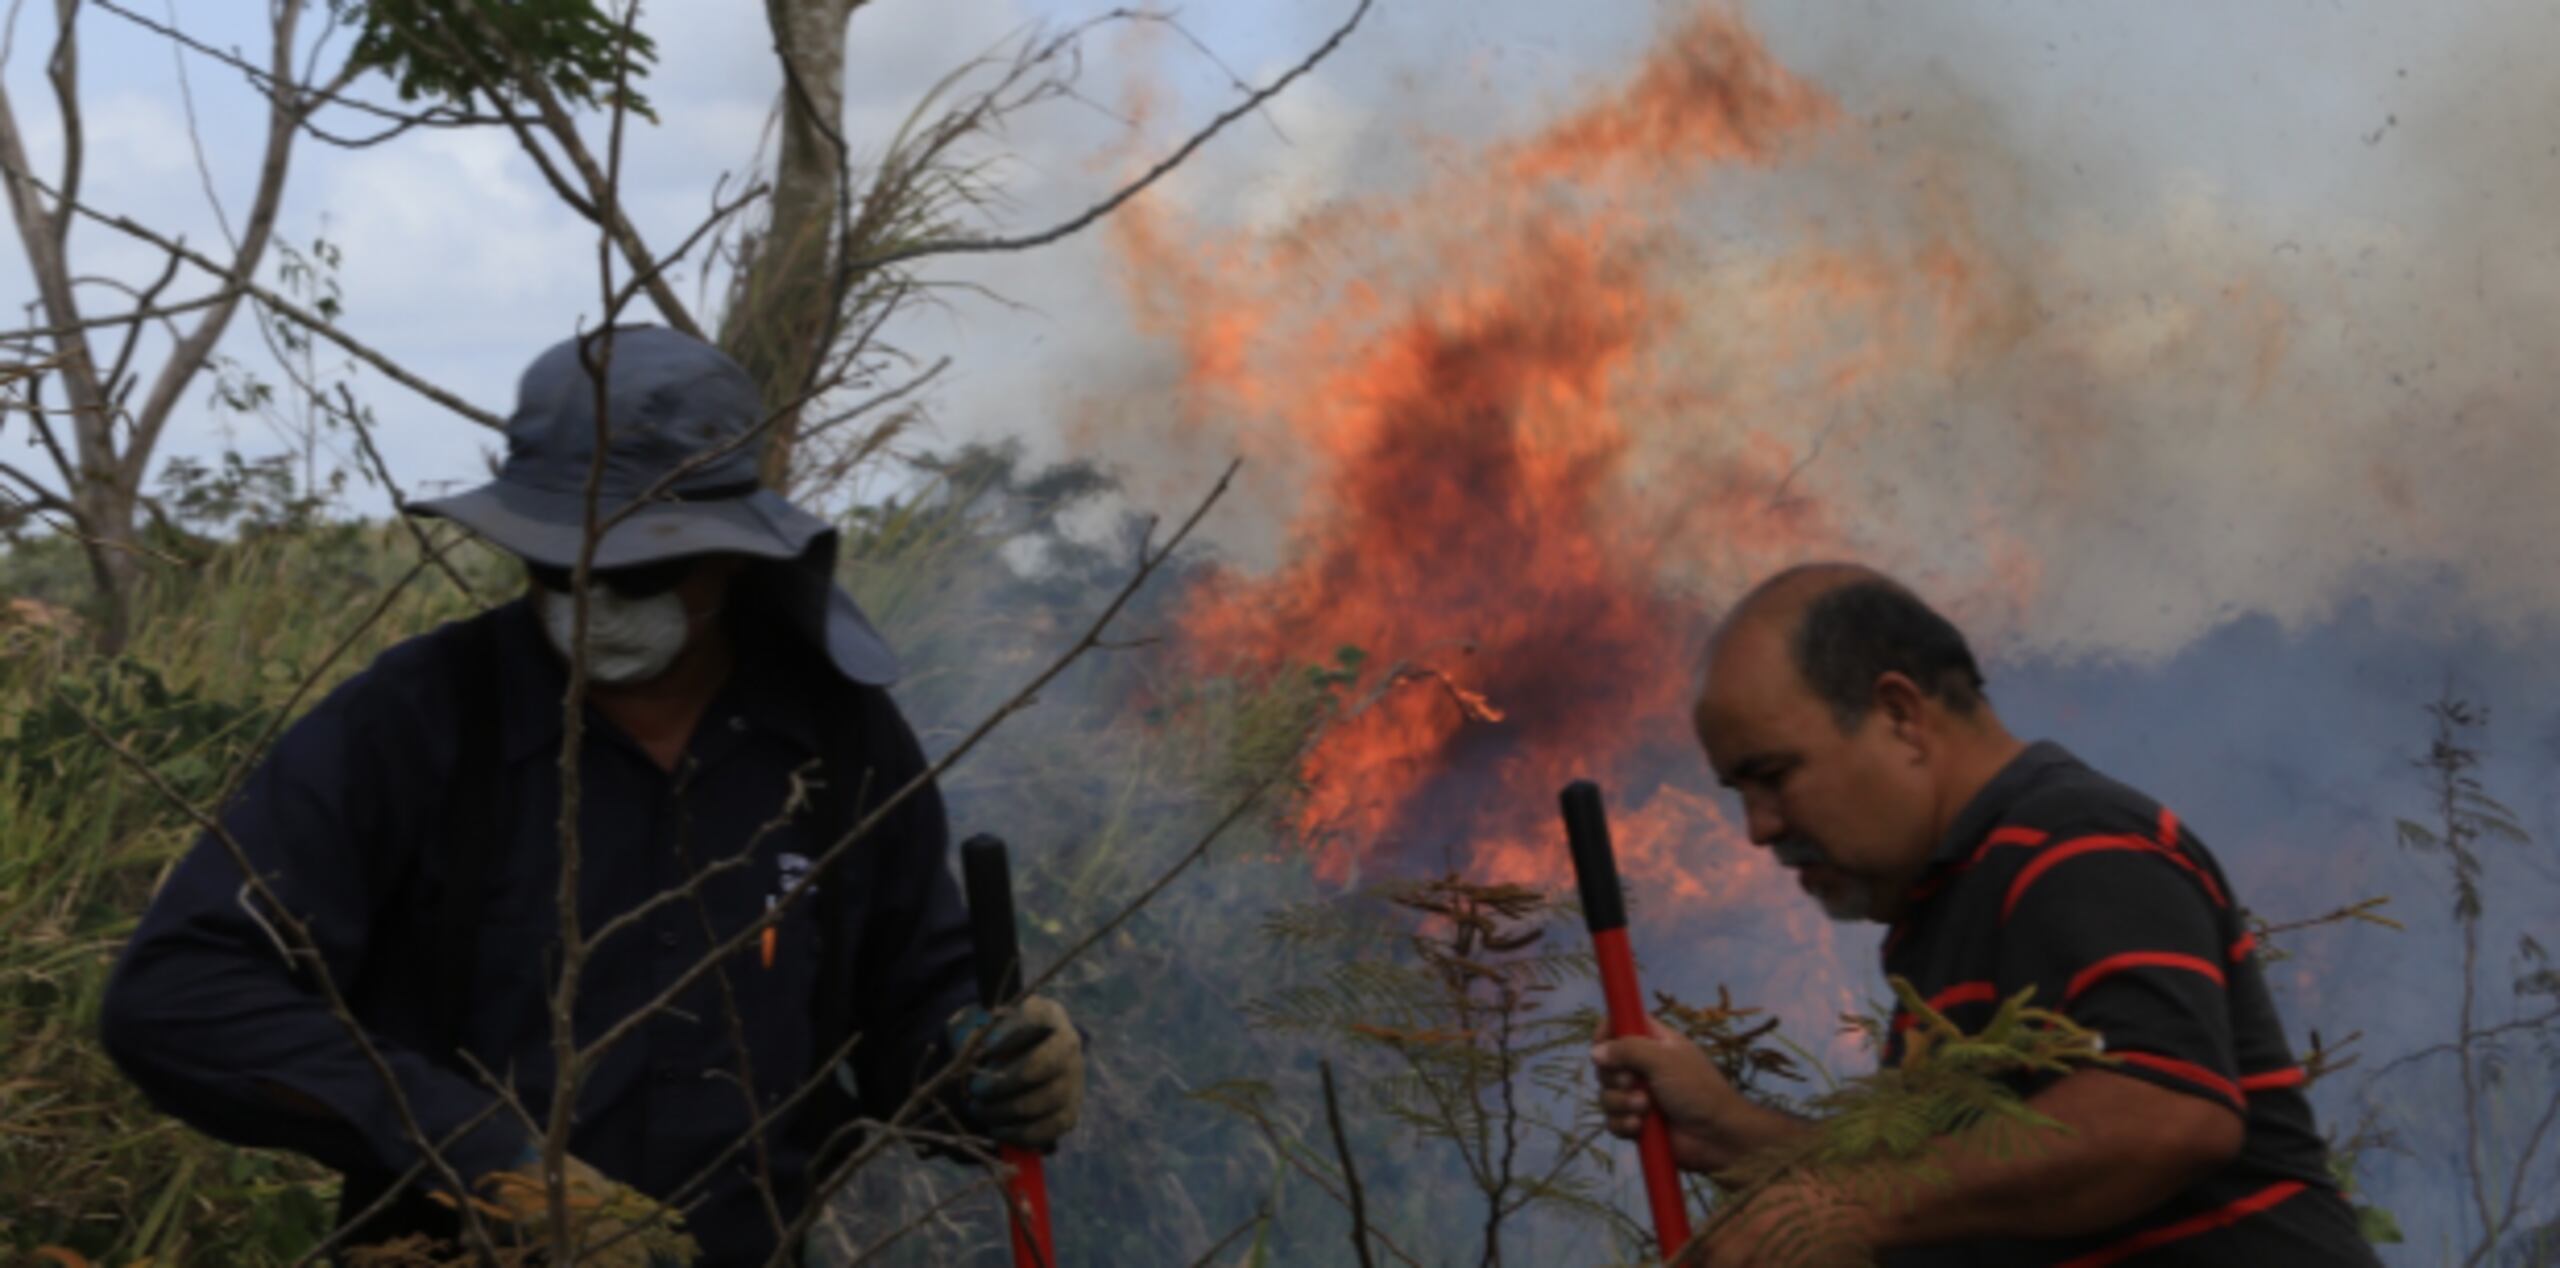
988	878
1595	865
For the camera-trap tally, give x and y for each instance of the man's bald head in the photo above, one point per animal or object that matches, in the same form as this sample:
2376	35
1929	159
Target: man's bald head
1846	625
1850	719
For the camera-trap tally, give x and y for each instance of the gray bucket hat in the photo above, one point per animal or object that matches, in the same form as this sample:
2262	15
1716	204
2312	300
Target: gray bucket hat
670	399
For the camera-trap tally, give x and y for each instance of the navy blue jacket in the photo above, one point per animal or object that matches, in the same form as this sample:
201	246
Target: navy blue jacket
346	820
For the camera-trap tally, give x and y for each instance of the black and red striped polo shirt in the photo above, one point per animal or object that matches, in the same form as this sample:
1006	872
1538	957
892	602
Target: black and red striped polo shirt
2056	877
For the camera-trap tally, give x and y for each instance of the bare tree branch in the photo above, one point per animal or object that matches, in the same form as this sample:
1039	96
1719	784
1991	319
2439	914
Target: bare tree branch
143	302
1288	1154
267	85
311	677
891	1238
195	139
257	229
282	305
596	356
1359	1200
563	131
9	32
45	437
1020	700
720	213
1180	154
2532	1021
542	161
42	497
1243	1226
300	947
42	238
63	71
363	428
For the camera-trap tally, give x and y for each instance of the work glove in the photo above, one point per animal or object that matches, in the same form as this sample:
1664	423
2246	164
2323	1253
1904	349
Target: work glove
615	1225
1029	1084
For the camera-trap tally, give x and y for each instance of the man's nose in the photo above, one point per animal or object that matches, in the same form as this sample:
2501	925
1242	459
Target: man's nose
1762	820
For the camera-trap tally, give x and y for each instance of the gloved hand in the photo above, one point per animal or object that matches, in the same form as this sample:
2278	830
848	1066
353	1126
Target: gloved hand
615	1225
1029	1084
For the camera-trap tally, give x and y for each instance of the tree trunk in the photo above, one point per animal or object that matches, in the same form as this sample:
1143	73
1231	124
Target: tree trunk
113	547
778	319
102	473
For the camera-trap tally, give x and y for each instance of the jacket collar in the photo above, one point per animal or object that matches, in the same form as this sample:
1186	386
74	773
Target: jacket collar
769	687
1993	802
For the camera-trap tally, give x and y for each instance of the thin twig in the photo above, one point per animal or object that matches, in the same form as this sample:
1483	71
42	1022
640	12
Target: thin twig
1019	701
2357	911
300	316
399	1185
303	947
434	116
2523	1168
1350	1174
311	677
921	1218
1163	166
1324	1184
600	182
1246	1225
2534	1022
720	213
355	416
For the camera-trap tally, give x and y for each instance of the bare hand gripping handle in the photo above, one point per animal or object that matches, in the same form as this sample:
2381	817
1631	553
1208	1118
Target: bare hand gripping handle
1604	909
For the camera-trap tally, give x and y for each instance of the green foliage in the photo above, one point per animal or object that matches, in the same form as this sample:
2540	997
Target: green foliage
1743	1042
85	1163
2377	1225
2496	1087
1442	992
450	50
241	495
2466	815
1873	1135
287	490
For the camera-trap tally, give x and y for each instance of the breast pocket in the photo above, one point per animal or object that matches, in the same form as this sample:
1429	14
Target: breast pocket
783	964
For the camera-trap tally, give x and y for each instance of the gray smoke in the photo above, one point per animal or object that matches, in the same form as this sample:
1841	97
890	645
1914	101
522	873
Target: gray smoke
2106	333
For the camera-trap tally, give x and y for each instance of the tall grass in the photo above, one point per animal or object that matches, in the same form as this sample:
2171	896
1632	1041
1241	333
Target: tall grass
85	1164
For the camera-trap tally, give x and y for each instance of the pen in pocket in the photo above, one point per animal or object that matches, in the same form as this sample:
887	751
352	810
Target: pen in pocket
772	934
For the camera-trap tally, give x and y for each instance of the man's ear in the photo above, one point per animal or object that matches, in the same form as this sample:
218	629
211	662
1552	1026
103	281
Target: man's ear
1899	702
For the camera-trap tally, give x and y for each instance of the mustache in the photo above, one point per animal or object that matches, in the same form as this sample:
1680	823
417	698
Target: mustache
1797	852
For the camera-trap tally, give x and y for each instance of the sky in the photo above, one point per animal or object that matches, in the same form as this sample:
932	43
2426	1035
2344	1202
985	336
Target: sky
2380	163
458	262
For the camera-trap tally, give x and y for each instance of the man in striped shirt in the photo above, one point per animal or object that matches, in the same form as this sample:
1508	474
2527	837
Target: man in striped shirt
1850	718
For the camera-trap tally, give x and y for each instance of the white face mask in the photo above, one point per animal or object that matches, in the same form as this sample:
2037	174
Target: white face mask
628	640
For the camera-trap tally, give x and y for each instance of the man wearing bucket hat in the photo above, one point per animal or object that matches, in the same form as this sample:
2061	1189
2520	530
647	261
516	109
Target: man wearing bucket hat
736	726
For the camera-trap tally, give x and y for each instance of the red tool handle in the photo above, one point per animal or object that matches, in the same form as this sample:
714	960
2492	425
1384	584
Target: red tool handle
1026	1197
988	877
1604	909
1626	1017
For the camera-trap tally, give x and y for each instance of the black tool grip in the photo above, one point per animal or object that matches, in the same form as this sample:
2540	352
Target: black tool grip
1595	866
988	878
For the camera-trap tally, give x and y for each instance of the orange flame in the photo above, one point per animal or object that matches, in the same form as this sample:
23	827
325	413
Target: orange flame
1451	371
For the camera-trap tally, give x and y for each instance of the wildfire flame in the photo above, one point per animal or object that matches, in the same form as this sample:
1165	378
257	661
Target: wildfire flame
1457	399
1527	420
1528	430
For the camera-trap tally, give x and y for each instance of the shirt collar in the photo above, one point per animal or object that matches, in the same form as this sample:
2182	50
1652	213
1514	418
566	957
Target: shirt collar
768	687
1989	805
